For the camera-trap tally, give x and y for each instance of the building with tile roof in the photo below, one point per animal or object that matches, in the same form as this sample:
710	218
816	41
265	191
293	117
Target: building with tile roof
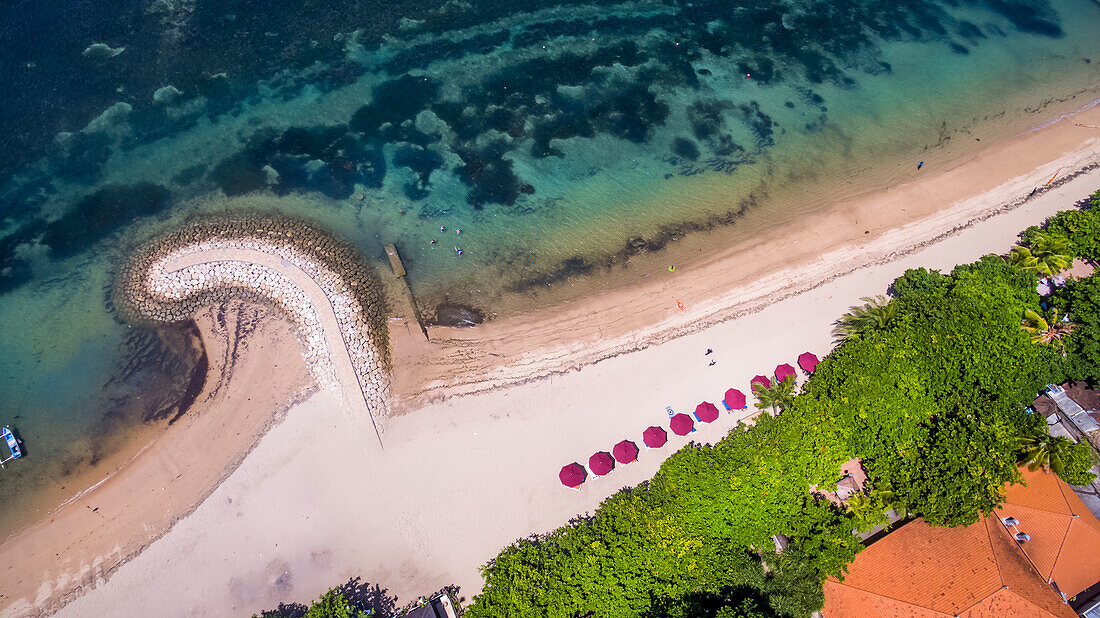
919	571
1065	537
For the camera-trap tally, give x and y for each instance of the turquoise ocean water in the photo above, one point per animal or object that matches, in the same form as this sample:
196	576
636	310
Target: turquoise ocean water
561	138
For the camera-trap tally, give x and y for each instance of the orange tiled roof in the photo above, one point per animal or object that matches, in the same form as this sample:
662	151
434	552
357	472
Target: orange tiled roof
1065	536
919	571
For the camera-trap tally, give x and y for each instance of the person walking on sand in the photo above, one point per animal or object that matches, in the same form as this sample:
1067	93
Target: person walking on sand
920	165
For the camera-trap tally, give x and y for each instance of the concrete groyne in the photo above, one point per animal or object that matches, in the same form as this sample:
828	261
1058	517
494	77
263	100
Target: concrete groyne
321	284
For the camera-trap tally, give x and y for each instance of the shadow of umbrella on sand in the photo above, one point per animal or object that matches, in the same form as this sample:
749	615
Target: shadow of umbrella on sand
572	475
601	463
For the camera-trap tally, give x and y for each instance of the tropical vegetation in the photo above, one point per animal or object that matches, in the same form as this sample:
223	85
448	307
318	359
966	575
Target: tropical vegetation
1049	329
1057	454
1047	255
1081	301
1080	226
332	604
776	397
875	315
934	404
868	509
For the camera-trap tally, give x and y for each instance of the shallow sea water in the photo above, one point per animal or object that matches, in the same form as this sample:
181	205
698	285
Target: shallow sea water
561	138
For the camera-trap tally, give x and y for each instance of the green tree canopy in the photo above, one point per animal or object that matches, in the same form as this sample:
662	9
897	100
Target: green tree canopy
1049	329
1081	227
1070	461
776	397
875	315
733	602
1081	301
936	402
332	604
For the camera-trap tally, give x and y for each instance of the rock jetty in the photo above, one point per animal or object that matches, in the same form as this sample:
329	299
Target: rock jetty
284	263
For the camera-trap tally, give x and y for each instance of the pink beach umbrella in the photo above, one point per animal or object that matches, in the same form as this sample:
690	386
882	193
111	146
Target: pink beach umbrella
706	412
625	452
734	400
761	380
682	424
572	475
782	371
808	362
654	437
601	463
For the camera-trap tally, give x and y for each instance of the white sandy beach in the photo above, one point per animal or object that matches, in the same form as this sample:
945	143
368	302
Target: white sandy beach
313	505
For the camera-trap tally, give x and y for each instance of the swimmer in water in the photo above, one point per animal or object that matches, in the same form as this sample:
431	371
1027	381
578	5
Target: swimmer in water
458	251
458	230
443	228
433	241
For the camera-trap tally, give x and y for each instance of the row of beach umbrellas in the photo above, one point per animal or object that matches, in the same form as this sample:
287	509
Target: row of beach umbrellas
601	463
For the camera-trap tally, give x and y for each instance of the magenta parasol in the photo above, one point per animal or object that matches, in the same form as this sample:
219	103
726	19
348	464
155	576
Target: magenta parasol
782	371
601	463
761	380
808	362
735	399
682	424
625	452
706	412
654	437
572	475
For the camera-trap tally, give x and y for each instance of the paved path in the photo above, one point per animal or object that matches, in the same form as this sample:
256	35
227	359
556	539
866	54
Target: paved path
350	385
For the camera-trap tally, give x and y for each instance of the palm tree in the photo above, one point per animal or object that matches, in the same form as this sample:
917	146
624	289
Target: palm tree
1042	450
878	314
778	397
869	510
1048	255
1050	330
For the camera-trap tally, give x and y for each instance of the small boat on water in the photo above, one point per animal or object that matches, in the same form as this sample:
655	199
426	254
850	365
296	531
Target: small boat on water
13	445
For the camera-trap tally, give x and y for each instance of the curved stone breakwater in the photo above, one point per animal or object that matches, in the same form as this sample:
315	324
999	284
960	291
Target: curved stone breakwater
321	284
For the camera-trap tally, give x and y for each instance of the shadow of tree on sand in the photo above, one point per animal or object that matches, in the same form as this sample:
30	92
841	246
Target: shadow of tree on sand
361	595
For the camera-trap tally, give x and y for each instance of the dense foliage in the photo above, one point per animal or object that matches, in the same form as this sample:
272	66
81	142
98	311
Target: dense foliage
929	389
1070	461
353	599
936	402
332	604
1080	227
1080	300
1046	254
